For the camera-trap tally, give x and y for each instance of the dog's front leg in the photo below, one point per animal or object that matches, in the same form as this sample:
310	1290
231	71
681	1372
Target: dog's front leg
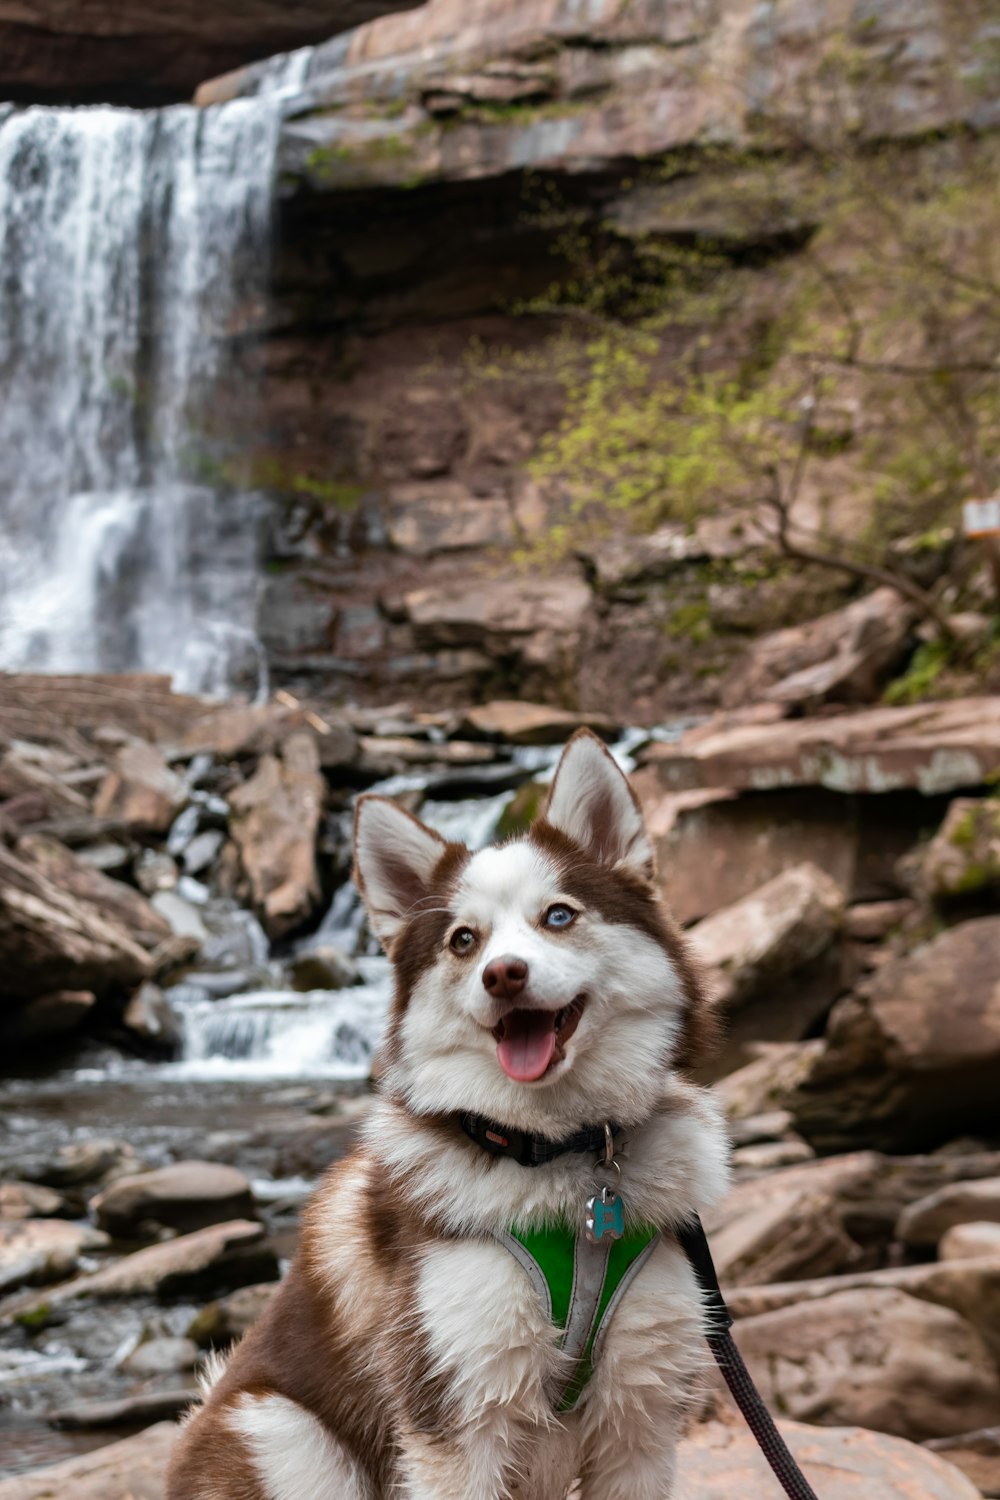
477	1406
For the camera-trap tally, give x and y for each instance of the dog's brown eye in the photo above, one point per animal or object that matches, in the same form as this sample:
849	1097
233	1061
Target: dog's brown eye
559	916
463	940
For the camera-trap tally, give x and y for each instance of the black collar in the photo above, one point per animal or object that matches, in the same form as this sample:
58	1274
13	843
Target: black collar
526	1149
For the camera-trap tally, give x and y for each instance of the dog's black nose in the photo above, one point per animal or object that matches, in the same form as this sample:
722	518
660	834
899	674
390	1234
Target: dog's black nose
505	977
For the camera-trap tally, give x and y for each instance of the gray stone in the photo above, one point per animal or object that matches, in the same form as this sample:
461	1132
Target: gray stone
162	1356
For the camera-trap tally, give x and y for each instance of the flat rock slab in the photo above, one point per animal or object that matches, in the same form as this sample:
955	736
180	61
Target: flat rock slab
219	1258
929	747
134	1469
843	1463
531	723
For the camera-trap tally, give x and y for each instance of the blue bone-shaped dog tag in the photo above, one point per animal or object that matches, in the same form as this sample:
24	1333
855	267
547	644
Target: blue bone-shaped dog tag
605	1217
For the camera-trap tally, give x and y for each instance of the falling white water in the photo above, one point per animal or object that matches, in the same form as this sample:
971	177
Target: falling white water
131	245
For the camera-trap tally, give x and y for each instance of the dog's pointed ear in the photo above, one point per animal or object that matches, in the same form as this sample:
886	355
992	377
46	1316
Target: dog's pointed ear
593	804
395	857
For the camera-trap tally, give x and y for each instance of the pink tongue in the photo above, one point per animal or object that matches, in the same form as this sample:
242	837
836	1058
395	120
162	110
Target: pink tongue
528	1044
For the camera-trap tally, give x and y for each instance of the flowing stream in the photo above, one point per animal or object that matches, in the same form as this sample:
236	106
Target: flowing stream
133	244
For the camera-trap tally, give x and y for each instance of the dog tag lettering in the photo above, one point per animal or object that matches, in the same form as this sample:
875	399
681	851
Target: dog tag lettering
605	1217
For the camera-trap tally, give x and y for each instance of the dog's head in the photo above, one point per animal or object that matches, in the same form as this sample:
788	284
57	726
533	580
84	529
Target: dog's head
538	982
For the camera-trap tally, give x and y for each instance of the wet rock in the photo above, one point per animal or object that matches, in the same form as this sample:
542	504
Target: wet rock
27	1200
325	968
972	1241
720	1462
183	918
34	1252
769	934
963	859
150	1020
134	1469
203	850
912	1059
275	822
923	1223
929	747
520	723
843	657
880	1359
713	848
221	1322
47	1018
131	1411
50	939
185	1196
162	1356
141	791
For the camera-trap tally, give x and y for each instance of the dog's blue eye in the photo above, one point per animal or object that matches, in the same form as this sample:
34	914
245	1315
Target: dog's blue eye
559	916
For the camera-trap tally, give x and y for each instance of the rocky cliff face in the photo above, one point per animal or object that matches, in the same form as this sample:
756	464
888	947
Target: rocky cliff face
434	174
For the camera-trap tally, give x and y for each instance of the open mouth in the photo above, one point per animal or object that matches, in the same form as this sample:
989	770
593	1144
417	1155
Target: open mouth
531	1042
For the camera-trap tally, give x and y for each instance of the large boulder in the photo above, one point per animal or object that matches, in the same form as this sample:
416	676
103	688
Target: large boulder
274	825
713	847
912	1059
185	1196
841	657
112	898
769	934
877	1358
722	1462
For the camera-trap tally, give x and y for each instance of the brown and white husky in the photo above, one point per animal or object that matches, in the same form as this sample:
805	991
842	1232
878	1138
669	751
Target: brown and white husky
414	1351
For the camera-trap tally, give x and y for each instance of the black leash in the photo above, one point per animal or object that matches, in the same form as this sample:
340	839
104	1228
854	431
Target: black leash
796	1486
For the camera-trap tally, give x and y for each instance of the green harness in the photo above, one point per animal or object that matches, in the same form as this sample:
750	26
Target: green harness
580	1285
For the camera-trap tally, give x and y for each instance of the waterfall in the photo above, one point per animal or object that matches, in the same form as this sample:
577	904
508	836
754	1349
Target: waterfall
133	246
